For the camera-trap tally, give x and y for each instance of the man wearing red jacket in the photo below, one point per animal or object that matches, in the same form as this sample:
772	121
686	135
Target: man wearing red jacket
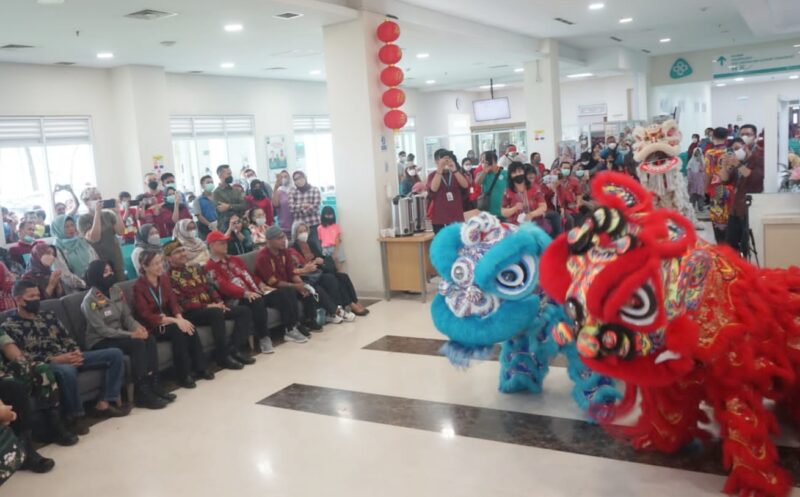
749	179
235	283
276	268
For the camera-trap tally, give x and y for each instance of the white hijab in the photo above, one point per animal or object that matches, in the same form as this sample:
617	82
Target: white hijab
697	161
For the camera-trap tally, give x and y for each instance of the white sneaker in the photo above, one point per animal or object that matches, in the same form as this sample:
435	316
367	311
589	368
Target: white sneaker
349	317
335	319
266	345
295	336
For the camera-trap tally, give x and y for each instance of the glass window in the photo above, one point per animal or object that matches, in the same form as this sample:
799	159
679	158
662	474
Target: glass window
201	143
313	144
45	154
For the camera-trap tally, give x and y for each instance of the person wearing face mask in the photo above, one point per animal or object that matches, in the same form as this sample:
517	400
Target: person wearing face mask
523	201
536	162
24	246
73	250
611	146
150	201
306	201
410	178
330	237
195	250
246	178
696	179
692	146
172	211
101	229
147	238
206	208
748	178
401	162
239	235
36	377
257	224
42	337
719	183
258	198
282	202
584	146
229	200
129	216
568	194
706	141
50	274
446	188
492	182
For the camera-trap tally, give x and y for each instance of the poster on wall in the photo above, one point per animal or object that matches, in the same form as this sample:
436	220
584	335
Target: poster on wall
276	152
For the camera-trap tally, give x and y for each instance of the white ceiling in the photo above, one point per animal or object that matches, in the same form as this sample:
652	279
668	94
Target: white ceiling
469	42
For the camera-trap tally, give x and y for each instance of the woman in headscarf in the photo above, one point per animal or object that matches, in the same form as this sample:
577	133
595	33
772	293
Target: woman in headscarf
7	280
696	178
306	202
196	251
41	272
282	202
147	238
73	250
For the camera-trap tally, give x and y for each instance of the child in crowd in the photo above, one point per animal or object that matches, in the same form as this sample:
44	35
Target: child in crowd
330	237
127	213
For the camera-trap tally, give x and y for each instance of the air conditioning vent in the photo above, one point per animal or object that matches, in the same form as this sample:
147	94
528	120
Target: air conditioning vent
194	72
499	67
646	50
615	38
150	15
288	15
275	68
65	63
297	52
168	43
14	46
562	20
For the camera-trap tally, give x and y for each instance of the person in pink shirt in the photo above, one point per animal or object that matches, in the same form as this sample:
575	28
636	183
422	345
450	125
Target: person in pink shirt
330	236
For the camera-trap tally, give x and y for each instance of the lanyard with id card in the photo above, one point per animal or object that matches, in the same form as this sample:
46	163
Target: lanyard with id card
449	195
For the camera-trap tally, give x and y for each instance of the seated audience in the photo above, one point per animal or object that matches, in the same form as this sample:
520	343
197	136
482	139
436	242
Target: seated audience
147	238
257	225
7	280
568	195
43	338
523	201
101	229
41	274
129	217
73	250
37	378
202	305
172	211
258	198
330	237
196	251
240	241
16	413
156	307
205	208
110	325
27	239
238	286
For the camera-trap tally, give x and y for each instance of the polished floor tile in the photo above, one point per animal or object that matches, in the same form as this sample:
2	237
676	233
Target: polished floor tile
217	440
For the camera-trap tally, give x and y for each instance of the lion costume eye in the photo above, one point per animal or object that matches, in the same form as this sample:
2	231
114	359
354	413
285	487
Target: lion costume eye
517	278
642	308
462	271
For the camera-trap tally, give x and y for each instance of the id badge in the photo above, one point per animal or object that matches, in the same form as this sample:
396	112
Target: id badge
450	196
107	313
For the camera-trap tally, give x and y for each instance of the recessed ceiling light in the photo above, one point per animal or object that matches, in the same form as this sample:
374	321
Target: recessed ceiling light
519	69
423	55
105	55
580	75
739	79
315	72
50	2
626	20
797	46
227	65
498	85
596	6
794	76
743	97
233	28
430	82
720	85
665	40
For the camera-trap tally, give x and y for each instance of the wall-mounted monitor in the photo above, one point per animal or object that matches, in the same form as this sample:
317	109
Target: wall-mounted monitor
491	110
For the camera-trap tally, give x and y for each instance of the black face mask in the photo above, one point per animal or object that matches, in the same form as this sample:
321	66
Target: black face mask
229	180
107	282
327	220
258	194
152	185
518	179
32	306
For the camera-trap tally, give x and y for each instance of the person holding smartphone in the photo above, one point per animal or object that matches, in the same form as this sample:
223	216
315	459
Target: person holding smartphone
101	226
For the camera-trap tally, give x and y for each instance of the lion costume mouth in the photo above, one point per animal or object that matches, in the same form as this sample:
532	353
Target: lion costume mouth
659	162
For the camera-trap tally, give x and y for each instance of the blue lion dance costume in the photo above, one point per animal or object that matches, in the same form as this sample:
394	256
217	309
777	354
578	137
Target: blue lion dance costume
490	294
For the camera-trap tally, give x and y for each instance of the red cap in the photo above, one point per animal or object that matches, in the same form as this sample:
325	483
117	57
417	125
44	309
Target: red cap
217	236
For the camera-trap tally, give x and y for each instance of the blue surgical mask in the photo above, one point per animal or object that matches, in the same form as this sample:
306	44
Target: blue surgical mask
580	174
28	239
170	199
564	171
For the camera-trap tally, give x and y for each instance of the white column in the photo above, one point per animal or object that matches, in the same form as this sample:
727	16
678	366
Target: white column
543	102
640	96
140	100
365	172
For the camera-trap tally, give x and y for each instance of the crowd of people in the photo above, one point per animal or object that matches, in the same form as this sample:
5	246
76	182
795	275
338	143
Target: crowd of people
187	275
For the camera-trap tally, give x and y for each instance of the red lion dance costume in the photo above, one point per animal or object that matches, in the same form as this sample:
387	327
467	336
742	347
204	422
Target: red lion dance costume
681	322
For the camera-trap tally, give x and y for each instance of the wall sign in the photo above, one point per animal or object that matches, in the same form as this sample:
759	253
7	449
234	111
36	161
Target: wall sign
276	152
680	69
758	61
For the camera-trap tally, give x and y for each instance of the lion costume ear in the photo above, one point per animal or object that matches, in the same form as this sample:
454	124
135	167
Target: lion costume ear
554	277
444	249
621	192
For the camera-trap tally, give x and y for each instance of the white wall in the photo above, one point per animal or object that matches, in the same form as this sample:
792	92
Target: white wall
694	100
612	91
726	107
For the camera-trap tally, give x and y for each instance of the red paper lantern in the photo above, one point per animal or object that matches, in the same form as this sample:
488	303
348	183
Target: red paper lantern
392	76
394	98
390	54
388	31
395	119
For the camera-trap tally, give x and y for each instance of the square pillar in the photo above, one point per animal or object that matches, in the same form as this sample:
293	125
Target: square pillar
543	103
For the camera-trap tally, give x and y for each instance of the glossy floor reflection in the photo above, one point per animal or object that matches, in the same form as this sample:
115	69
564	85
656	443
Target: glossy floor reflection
218	440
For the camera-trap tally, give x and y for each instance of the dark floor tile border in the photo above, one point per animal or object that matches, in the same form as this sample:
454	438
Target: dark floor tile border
530	430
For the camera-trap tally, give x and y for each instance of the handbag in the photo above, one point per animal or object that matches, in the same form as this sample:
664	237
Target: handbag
485	197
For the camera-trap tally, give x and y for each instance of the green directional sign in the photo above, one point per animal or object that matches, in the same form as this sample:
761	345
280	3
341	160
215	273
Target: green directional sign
680	69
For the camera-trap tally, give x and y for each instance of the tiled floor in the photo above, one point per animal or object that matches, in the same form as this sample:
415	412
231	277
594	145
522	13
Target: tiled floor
353	413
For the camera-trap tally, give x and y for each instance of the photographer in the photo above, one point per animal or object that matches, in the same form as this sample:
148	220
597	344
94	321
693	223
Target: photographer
746	172
102	235
61	208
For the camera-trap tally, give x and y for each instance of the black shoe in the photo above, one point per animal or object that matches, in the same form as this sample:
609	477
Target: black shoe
304	330
61	435
112	412
204	375
187	382
78	426
313	325
33	460
238	356
159	391
230	363
146	399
